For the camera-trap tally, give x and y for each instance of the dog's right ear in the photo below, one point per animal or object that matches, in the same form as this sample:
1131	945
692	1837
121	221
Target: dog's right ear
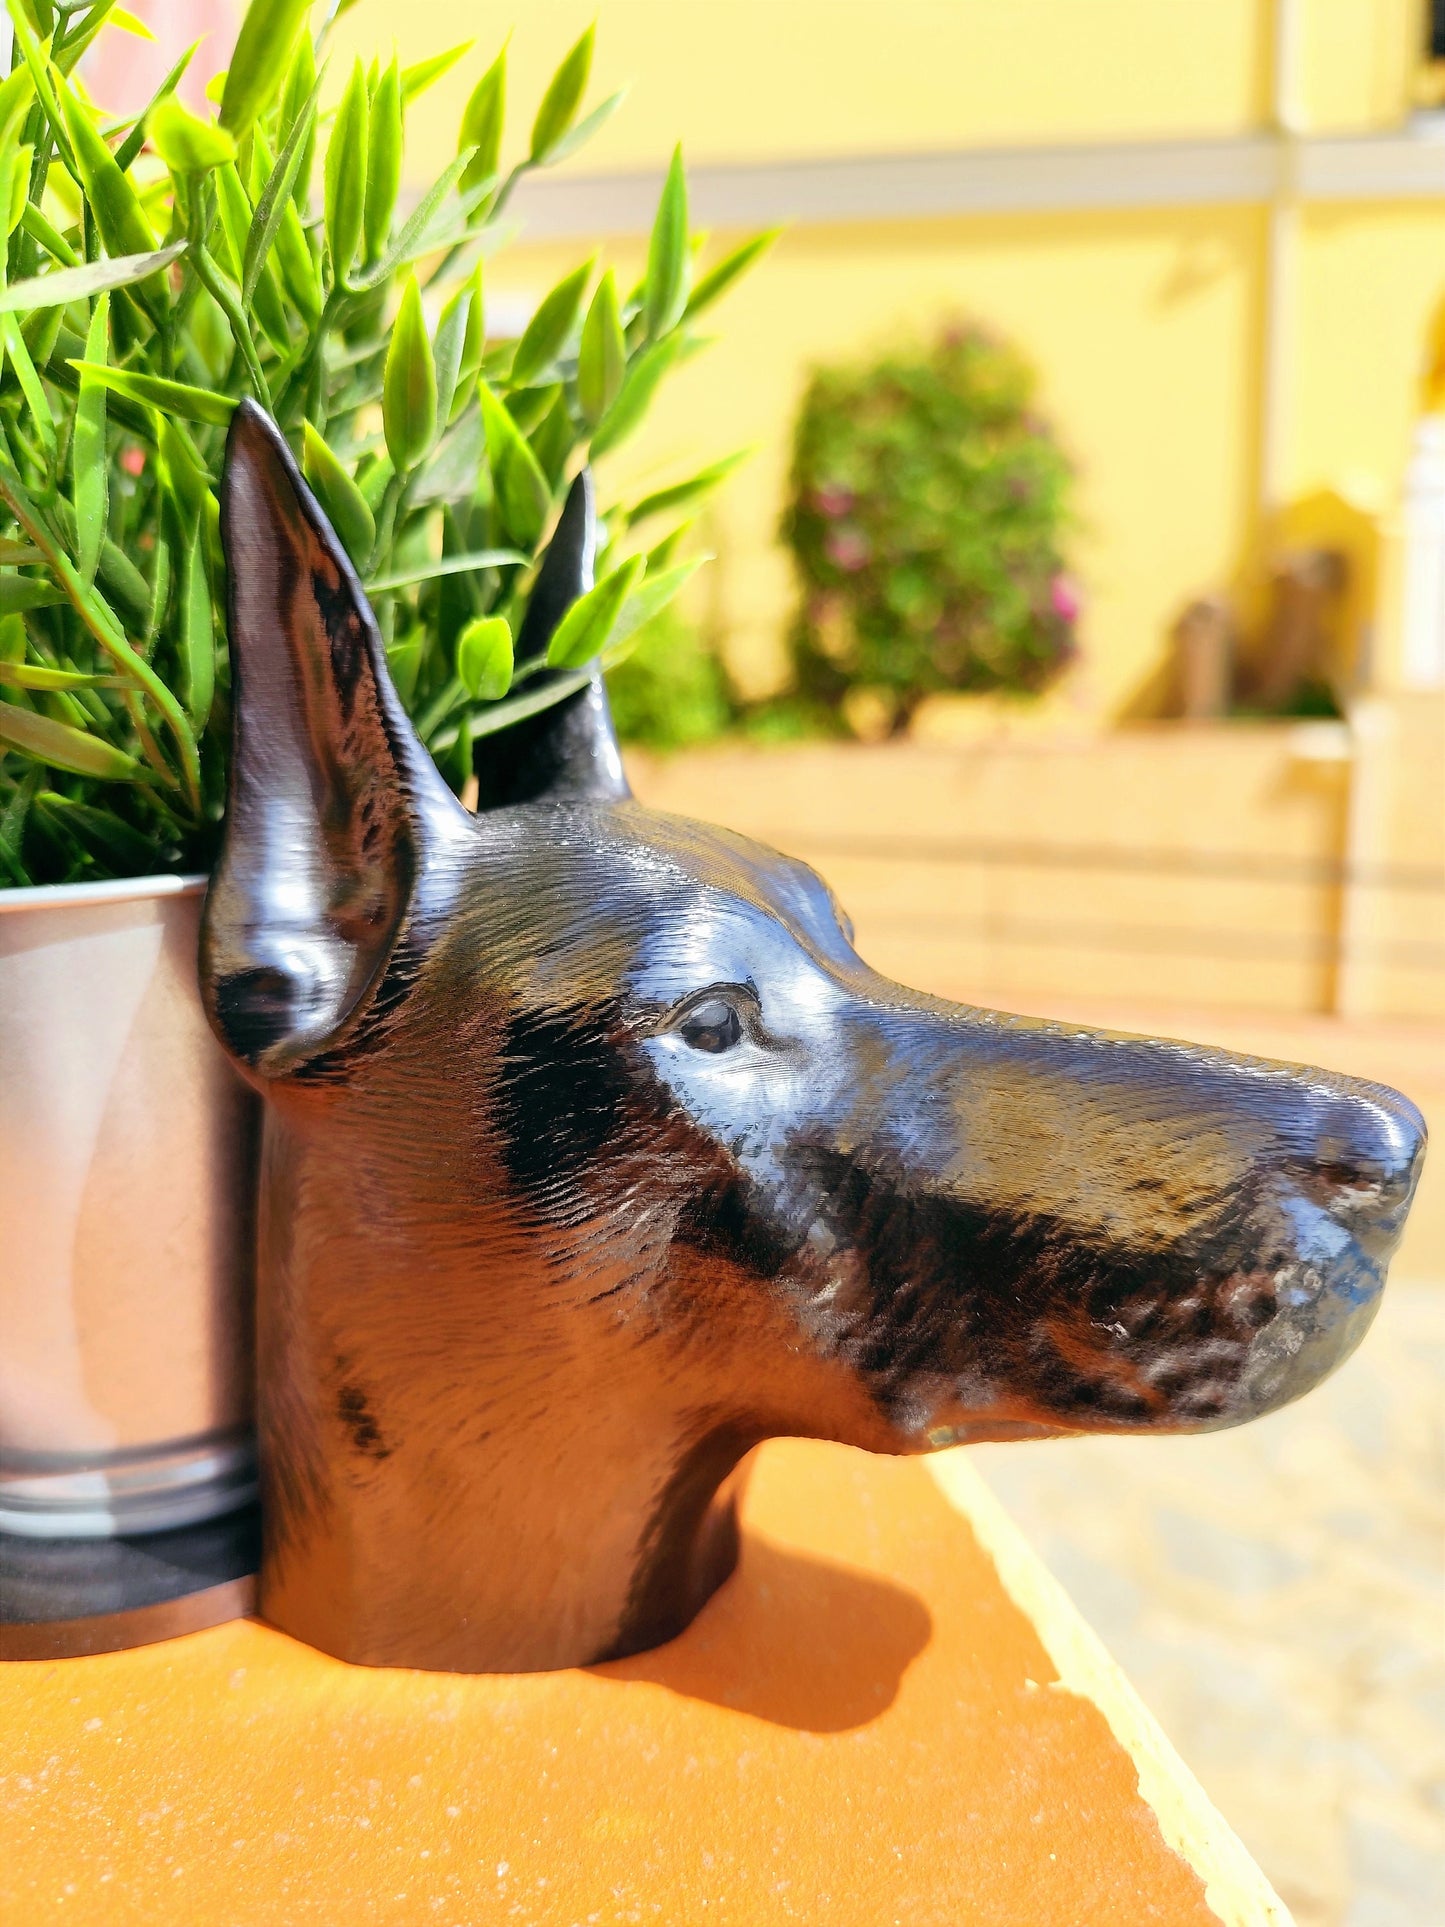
334	805
568	752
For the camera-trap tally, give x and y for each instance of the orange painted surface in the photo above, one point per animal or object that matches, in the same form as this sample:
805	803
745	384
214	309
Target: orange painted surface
859	1728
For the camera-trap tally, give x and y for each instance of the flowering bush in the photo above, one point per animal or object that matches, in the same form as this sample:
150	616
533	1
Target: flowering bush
928	506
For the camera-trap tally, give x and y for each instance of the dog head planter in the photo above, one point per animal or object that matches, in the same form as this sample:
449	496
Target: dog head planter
594	1155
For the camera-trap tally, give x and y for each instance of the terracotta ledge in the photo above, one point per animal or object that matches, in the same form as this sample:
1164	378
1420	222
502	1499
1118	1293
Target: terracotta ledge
891	1714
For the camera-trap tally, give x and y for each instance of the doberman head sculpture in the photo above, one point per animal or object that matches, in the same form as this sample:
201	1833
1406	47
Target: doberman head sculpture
594	1155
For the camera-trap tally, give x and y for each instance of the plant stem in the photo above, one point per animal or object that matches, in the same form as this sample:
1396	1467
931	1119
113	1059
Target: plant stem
225	297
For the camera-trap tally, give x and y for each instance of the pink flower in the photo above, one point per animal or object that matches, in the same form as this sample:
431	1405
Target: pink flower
133	461
833	500
848	550
1065	598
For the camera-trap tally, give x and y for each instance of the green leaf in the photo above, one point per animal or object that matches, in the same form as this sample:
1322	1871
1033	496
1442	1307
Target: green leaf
135	139
186	143
275	197
403	659
184	476
458	342
233	204
474	341
100	619
110	196
298	269
170	397
160	591
30	675
198	646
55	244
585	128
77	284
90	487
123	845
554	439
482	121
62	747
420	75
346	507
419	235
263	52
585	630
383	160
650	600
636	393
14	197
448	565
27	592
484	658
123	18
30	387
299	89
669	262
16	91
409	385
718	280
346	157
682	493
521	488
546	333
373	478
527	406
515	709
563	97
602	360
36	55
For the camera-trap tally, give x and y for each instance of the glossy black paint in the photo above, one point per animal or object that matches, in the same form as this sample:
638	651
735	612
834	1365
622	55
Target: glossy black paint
594	1155
571	749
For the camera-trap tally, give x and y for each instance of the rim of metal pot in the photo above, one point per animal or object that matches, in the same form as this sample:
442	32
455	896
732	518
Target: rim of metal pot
55	896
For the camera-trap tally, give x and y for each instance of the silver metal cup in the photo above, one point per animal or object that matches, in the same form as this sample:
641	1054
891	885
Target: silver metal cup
126	1175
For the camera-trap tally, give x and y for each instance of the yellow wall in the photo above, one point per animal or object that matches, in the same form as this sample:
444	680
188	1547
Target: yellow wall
1370	278
1146	328
759	79
1358	60
1139	324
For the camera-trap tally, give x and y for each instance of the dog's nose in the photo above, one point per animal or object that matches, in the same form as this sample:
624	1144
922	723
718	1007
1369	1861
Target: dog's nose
1368	1146
1355	1160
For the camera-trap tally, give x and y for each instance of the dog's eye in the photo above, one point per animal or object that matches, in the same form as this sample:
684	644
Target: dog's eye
712	1026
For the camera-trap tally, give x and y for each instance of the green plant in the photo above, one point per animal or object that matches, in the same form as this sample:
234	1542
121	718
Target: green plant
673	690
156	271
927	510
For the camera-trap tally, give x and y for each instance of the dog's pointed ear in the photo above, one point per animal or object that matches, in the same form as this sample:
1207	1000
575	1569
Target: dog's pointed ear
570	750
334	806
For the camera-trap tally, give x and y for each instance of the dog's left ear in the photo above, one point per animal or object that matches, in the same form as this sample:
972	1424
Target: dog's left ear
334	805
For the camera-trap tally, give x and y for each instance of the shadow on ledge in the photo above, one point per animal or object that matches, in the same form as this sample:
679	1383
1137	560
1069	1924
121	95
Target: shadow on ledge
793	1640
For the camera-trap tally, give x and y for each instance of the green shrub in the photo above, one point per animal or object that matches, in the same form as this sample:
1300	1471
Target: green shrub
152	274
672	692
928	506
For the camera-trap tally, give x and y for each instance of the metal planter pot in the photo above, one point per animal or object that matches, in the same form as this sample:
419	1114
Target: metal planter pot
126	1175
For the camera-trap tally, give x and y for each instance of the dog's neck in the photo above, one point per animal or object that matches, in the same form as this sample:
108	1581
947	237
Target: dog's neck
498	1481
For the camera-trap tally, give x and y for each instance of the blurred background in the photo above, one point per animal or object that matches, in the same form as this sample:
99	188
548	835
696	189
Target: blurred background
1079	610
